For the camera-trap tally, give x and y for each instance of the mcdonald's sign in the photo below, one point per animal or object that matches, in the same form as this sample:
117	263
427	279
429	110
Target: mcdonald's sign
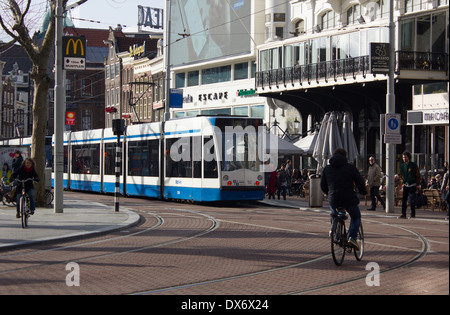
74	52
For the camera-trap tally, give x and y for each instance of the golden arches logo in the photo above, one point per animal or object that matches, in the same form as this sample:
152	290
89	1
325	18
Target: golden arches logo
75	45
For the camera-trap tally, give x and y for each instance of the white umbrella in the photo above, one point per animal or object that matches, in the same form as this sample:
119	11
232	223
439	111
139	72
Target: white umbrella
318	147
348	139
332	139
308	143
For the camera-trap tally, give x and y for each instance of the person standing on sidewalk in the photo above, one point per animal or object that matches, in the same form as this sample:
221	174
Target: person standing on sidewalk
411	177
374	180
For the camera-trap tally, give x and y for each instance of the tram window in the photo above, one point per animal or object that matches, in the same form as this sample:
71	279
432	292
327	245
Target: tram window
179	158
143	158
210	163
197	156
66	159
110	159
86	159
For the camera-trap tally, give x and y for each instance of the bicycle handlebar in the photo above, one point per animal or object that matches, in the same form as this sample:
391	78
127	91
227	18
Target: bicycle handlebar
24	181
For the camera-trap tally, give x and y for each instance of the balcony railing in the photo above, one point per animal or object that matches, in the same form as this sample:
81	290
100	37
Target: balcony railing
344	69
413	60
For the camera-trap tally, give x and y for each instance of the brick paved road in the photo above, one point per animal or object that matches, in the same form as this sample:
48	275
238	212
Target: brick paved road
239	250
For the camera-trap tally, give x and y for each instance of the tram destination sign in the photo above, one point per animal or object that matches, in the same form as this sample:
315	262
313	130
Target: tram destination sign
379	58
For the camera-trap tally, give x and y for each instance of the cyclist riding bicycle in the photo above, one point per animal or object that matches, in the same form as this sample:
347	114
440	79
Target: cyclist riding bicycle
338	181
26	171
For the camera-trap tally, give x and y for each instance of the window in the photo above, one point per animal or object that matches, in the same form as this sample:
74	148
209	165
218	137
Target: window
353	14
257	111
184	158
279	17
86	159
210	168
179	80
193	78
327	20
279	32
381	9
241	111
86	120
216	75
86	87
241	71
300	28
143	158
110	159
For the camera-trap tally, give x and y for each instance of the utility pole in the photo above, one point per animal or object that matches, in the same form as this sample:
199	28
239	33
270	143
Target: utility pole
390	109
168	24
59	108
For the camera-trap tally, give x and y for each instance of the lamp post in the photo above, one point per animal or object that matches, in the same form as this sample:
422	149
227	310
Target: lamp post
390	108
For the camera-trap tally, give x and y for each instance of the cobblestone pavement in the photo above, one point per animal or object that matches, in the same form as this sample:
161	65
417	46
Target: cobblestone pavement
235	249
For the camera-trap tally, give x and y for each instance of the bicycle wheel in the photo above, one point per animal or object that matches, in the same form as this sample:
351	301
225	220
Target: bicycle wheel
338	242
48	197
23	212
360	240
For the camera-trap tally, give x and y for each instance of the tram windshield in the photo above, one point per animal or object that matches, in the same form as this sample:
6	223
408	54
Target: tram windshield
239	143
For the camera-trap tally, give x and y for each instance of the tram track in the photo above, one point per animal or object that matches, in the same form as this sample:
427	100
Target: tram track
421	253
196	222
159	224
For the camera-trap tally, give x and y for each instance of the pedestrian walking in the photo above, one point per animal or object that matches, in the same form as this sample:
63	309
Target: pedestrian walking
272	185
374	181
17	161
282	181
411	177
289	177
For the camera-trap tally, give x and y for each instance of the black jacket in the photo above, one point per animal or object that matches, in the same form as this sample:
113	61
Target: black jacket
338	181
22	174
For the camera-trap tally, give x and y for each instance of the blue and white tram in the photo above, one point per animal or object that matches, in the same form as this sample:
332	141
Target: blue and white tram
184	159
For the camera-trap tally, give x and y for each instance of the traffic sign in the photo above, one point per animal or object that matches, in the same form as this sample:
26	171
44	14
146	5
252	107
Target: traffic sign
392	124
393	138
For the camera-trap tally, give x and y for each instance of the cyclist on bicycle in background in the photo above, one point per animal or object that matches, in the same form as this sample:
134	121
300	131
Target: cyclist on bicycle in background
338	180
26	171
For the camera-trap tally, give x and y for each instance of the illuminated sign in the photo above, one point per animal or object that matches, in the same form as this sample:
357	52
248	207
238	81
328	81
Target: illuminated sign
137	50
70	118
244	93
74	52
151	17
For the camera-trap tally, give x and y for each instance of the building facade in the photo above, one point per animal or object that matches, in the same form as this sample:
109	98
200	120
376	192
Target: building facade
292	61
316	57
128	77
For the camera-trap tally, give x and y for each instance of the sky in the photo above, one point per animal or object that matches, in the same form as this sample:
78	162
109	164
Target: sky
105	13
111	12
